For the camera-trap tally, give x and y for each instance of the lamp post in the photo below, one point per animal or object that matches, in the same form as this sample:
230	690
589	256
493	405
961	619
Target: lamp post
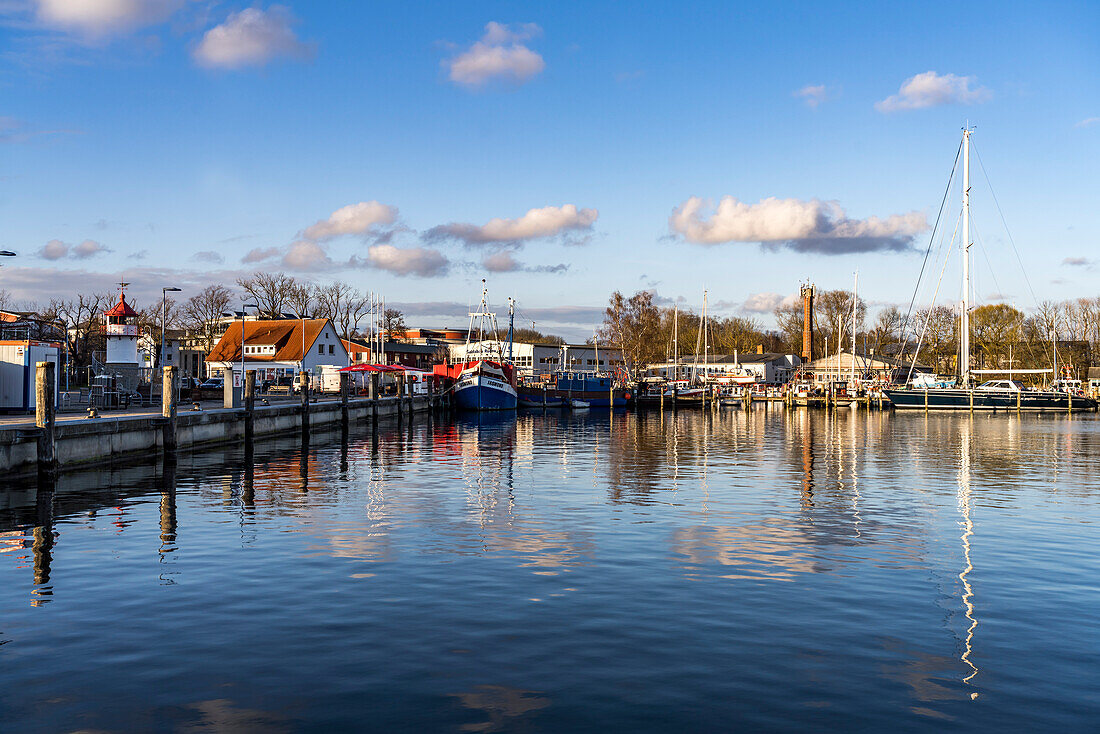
163	316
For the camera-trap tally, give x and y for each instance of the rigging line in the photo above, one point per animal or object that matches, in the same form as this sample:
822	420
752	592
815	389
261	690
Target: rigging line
1005	224
928	318
985	254
932	238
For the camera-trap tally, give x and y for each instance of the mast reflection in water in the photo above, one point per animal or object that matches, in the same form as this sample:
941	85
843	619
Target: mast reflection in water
760	568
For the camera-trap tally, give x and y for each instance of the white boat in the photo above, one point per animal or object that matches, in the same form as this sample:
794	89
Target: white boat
579	404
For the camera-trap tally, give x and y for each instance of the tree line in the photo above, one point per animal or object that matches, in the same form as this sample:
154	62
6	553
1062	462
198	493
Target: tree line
1001	335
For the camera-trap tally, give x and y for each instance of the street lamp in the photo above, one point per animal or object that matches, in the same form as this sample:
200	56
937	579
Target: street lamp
163	316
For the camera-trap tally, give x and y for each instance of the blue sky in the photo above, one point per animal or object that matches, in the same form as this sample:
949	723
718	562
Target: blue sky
179	136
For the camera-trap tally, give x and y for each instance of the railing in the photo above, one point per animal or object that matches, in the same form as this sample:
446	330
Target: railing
122	330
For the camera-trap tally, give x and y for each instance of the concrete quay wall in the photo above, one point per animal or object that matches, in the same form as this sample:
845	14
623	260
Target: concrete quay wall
86	442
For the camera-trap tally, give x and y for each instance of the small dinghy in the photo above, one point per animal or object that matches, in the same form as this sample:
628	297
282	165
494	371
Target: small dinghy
579	404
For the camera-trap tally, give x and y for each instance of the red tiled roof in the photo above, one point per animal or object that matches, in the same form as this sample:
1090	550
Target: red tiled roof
285	335
122	308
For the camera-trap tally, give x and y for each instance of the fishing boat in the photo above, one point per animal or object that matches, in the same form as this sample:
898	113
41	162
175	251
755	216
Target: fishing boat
487	382
991	395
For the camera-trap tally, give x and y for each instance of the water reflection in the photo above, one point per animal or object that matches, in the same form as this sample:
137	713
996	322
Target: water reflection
657	563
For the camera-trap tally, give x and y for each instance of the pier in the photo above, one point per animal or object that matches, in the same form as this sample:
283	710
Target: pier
49	442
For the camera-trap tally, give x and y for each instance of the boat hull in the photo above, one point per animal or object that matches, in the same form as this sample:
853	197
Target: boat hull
990	400
484	392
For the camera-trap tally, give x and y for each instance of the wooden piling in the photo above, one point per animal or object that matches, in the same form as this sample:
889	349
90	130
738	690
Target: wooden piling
344	400
168	395
372	393
45	417
249	406
303	383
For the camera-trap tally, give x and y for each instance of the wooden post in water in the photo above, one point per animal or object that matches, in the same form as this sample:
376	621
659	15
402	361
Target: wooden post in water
344	400
372	393
45	418
971	393
303	383
168	394
1018	394
926	400
675	396
249	406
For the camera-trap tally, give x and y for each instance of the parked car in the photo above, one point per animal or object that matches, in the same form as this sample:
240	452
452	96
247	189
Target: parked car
214	383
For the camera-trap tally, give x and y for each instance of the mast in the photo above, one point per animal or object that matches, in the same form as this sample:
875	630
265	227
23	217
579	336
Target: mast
511	324
852	367
705	342
675	341
964	331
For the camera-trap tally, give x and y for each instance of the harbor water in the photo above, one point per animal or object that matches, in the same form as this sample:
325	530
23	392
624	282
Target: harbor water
763	569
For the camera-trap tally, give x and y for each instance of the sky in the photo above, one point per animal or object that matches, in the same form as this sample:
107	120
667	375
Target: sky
561	151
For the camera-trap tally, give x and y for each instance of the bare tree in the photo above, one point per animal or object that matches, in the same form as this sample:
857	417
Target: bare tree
342	303
82	320
393	324
202	311
634	326
270	291
303	300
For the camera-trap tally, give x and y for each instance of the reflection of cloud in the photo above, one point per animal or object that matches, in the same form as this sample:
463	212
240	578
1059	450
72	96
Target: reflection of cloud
768	551
221	715
502	704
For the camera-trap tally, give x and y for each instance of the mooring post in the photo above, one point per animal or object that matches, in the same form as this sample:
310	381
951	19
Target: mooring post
168	410
45	417
249	406
675	396
344	400
303	385
372	393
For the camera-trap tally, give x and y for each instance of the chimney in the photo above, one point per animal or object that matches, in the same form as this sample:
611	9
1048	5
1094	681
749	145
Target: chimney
759	348
807	322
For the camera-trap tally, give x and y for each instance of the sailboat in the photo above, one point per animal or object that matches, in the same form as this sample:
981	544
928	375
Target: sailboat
486	380
992	395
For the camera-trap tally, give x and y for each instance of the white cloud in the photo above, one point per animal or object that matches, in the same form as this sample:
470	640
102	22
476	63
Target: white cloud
805	226
812	95
358	218
208	256
104	17
1088	122
1077	262
501	262
930	89
58	250
251	37
260	254
419	261
500	54
766	302
54	250
88	248
549	221
306	255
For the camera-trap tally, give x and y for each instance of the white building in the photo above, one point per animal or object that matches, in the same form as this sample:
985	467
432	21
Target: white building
769	368
122	334
541	359
278	348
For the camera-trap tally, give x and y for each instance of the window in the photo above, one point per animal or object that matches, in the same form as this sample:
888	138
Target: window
332	349
320	348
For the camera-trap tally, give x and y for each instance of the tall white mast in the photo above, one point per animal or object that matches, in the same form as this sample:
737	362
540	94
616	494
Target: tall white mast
675	341
964	340
855	289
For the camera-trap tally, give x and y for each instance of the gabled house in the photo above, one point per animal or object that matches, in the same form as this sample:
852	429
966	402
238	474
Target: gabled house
278	348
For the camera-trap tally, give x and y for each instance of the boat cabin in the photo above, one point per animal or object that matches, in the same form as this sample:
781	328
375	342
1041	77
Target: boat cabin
1009	385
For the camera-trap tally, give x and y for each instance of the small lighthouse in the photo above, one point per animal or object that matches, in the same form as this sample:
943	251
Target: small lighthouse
122	333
